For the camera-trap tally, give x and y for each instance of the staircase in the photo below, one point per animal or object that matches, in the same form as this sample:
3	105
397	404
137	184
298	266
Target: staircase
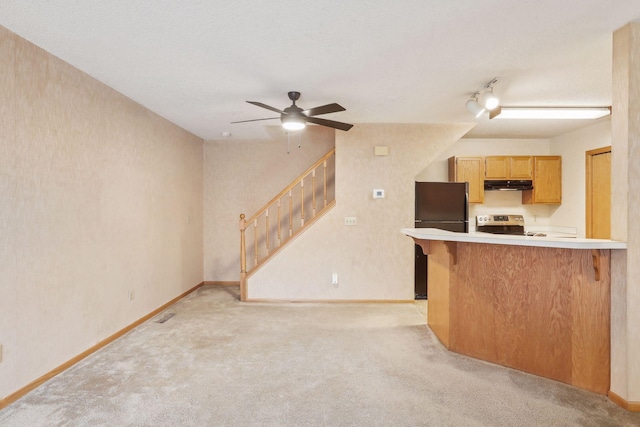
286	216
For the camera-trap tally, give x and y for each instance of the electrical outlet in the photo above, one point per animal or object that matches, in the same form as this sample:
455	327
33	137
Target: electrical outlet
378	193
334	279
132	296
350	220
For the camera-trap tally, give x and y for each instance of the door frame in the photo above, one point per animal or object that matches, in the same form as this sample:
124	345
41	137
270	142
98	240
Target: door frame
588	187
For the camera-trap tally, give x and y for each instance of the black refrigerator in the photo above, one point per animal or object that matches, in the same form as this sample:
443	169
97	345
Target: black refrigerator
443	205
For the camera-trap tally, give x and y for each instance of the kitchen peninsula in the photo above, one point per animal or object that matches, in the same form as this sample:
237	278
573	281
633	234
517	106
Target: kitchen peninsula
537	304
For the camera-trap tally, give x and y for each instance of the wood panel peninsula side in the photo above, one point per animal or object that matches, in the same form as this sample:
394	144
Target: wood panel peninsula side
537	304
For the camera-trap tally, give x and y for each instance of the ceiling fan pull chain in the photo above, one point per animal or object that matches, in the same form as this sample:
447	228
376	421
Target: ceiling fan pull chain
299	144
288	145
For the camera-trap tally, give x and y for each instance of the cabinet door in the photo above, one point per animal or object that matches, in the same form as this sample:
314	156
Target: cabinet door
547	181
520	167
496	167
471	170
598	185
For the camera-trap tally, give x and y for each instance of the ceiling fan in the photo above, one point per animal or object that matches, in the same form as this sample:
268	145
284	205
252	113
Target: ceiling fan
295	118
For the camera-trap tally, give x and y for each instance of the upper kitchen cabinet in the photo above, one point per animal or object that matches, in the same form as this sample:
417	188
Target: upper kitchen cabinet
471	170
508	167
547	181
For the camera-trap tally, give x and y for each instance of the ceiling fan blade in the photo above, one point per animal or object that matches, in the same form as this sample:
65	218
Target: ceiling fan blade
329	123
255	120
260	104
325	109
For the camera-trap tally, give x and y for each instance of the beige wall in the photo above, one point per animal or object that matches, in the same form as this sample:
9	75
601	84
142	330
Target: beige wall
241	177
98	196
625	198
373	260
572	147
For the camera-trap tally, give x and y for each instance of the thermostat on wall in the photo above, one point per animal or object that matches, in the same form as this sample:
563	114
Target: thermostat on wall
378	194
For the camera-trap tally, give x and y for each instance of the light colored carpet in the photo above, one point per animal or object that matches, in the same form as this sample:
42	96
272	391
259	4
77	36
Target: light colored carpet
219	362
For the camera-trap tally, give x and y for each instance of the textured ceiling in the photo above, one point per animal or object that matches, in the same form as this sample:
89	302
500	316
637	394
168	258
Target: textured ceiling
405	61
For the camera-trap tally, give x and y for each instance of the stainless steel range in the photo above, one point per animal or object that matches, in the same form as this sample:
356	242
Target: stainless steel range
500	224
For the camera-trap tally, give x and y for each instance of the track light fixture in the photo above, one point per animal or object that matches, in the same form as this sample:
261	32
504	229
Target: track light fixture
488	100
483	99
474	107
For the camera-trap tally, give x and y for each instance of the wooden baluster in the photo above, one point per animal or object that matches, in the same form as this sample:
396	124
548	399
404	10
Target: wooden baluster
302	202
324	169
266	222
313	193
255	241
243	250
279	223
290	214
243	260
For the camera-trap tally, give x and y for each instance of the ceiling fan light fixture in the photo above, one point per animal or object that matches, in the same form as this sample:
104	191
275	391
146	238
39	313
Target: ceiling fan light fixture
295	118
475	108
293	123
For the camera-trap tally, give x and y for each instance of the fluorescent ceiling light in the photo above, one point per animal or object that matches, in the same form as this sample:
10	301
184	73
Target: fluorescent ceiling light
572	113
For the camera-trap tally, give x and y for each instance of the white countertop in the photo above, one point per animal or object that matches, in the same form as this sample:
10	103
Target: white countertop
504	239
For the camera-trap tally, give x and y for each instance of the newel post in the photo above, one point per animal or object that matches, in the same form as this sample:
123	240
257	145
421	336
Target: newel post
243	260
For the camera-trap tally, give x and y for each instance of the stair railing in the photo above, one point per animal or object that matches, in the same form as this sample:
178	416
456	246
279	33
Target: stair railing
297	200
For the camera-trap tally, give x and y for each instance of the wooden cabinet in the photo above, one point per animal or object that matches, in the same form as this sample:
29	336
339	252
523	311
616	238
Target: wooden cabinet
521	167
538	309
471	170
508	167
547	181
544	171
496	167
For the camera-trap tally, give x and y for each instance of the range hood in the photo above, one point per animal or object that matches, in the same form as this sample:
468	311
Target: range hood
512	185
